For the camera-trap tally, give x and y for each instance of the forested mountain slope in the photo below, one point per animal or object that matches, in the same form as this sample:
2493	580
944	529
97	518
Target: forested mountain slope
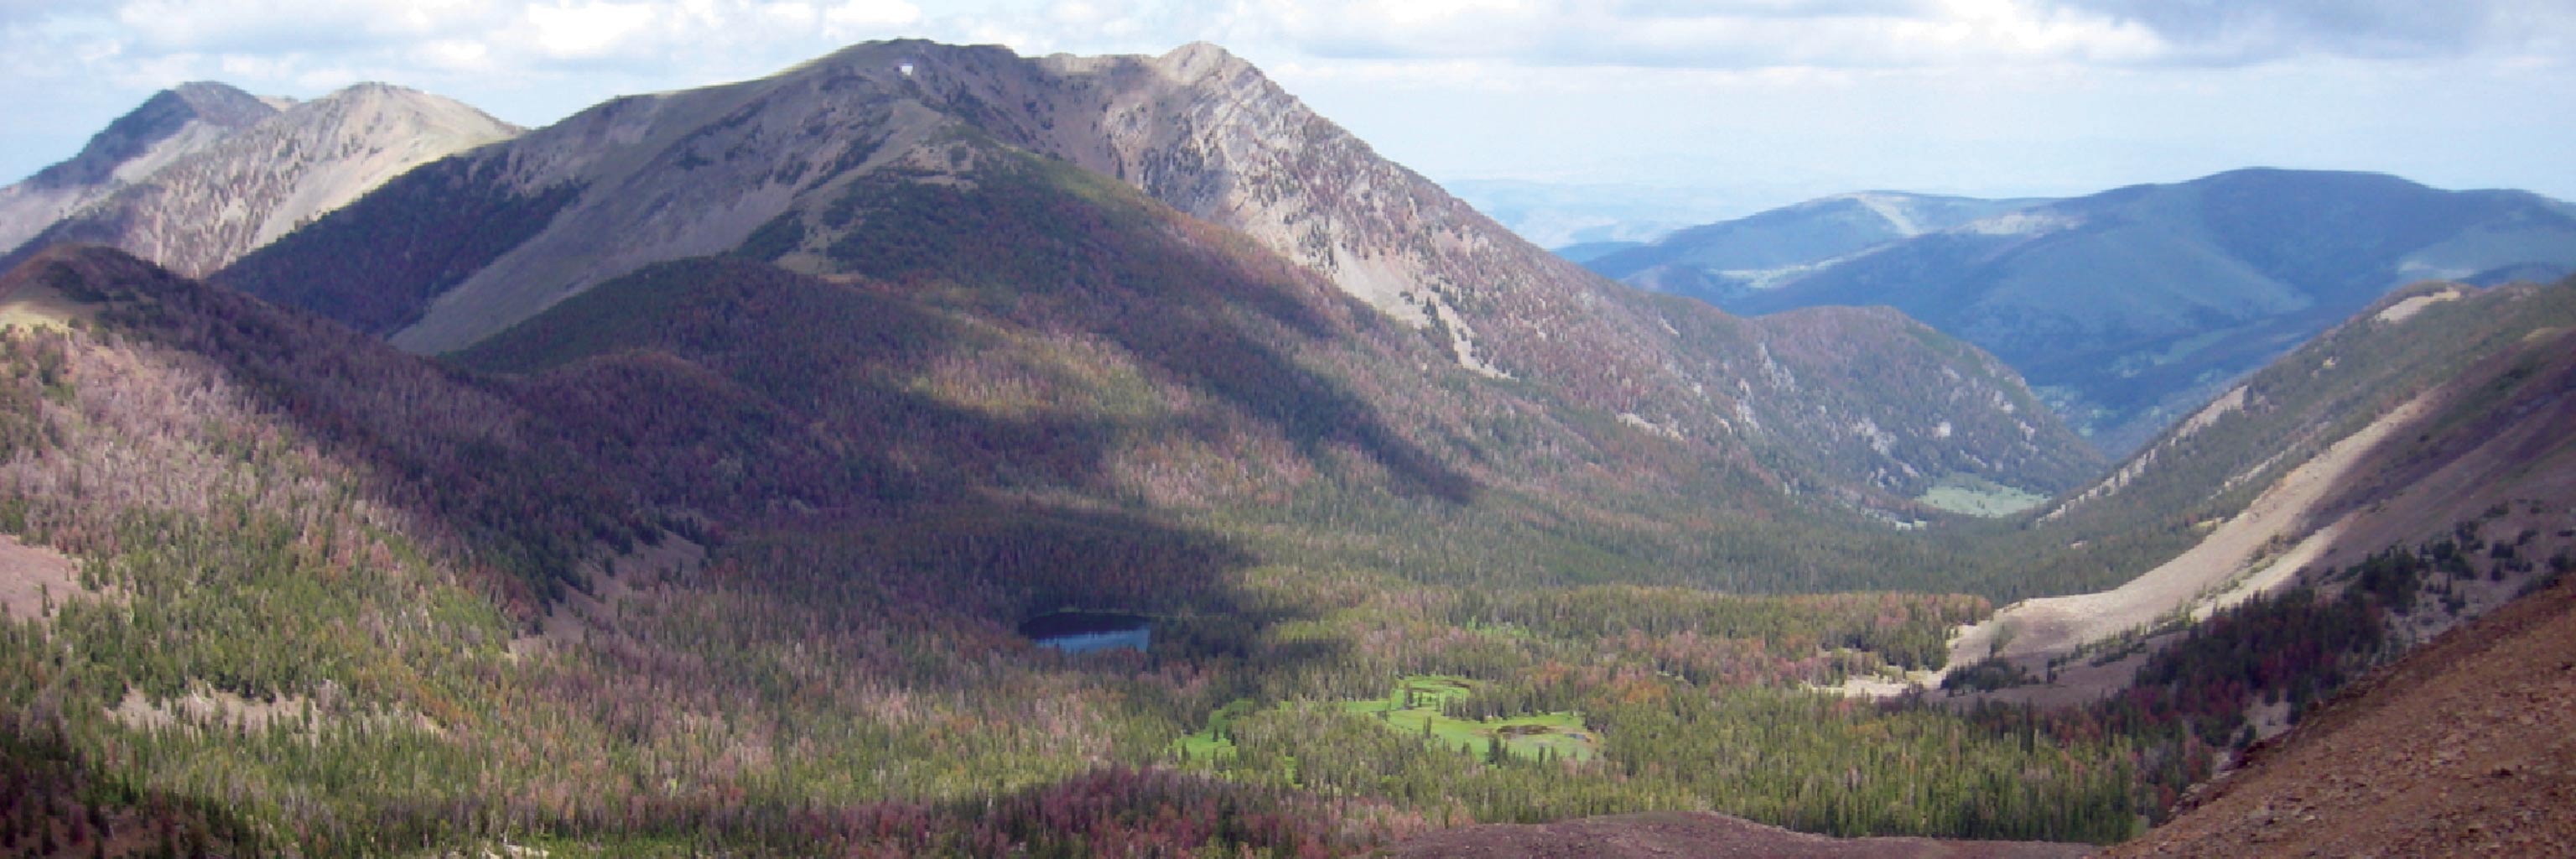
2130	307
324	595
169	125
200	210
1031	329
273	526
820	168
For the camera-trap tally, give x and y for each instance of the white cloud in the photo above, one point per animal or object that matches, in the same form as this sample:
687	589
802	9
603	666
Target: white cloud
589	30
1891	33
1390	69
673	42
2230	33
857	14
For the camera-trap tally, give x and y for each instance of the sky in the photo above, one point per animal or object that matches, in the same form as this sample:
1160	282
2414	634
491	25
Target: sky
1742	104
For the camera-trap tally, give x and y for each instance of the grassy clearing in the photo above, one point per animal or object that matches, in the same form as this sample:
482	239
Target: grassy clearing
38	305
1977	496
1413	707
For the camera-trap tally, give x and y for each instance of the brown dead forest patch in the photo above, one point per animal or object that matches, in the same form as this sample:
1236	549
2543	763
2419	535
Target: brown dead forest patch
32	575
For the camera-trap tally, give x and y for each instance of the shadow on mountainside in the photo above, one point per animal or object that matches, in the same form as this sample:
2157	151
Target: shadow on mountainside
887	501
1049	246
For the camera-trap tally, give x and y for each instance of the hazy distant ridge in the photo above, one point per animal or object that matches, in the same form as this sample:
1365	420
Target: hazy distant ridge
2131	306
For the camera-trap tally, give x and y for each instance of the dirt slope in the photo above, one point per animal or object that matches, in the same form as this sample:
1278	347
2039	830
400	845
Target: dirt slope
2240	559
1701	834
2466	747
2488	448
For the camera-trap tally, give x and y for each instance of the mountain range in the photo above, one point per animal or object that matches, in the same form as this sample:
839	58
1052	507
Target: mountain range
1727	260
2126	308
772	171
682	476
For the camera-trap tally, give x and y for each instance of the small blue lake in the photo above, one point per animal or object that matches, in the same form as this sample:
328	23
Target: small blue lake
1087	631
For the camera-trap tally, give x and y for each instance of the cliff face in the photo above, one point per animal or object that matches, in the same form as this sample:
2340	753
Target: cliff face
208	206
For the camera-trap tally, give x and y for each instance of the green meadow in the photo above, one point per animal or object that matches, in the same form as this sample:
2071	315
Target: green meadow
1414	707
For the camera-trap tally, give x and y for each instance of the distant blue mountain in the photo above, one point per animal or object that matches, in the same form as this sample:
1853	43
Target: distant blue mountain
1729	259
2129	307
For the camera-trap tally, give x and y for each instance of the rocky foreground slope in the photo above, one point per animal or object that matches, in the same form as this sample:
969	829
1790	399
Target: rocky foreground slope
2465	748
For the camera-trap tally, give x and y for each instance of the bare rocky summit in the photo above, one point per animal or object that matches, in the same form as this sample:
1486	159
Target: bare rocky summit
204	207
165	128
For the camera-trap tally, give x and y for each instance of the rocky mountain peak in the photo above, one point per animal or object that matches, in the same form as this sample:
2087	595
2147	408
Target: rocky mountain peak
164	128
1199	60
166	125
217	199
224	104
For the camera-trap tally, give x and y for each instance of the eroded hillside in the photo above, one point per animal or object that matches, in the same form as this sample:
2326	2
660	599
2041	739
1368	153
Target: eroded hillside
2409	505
